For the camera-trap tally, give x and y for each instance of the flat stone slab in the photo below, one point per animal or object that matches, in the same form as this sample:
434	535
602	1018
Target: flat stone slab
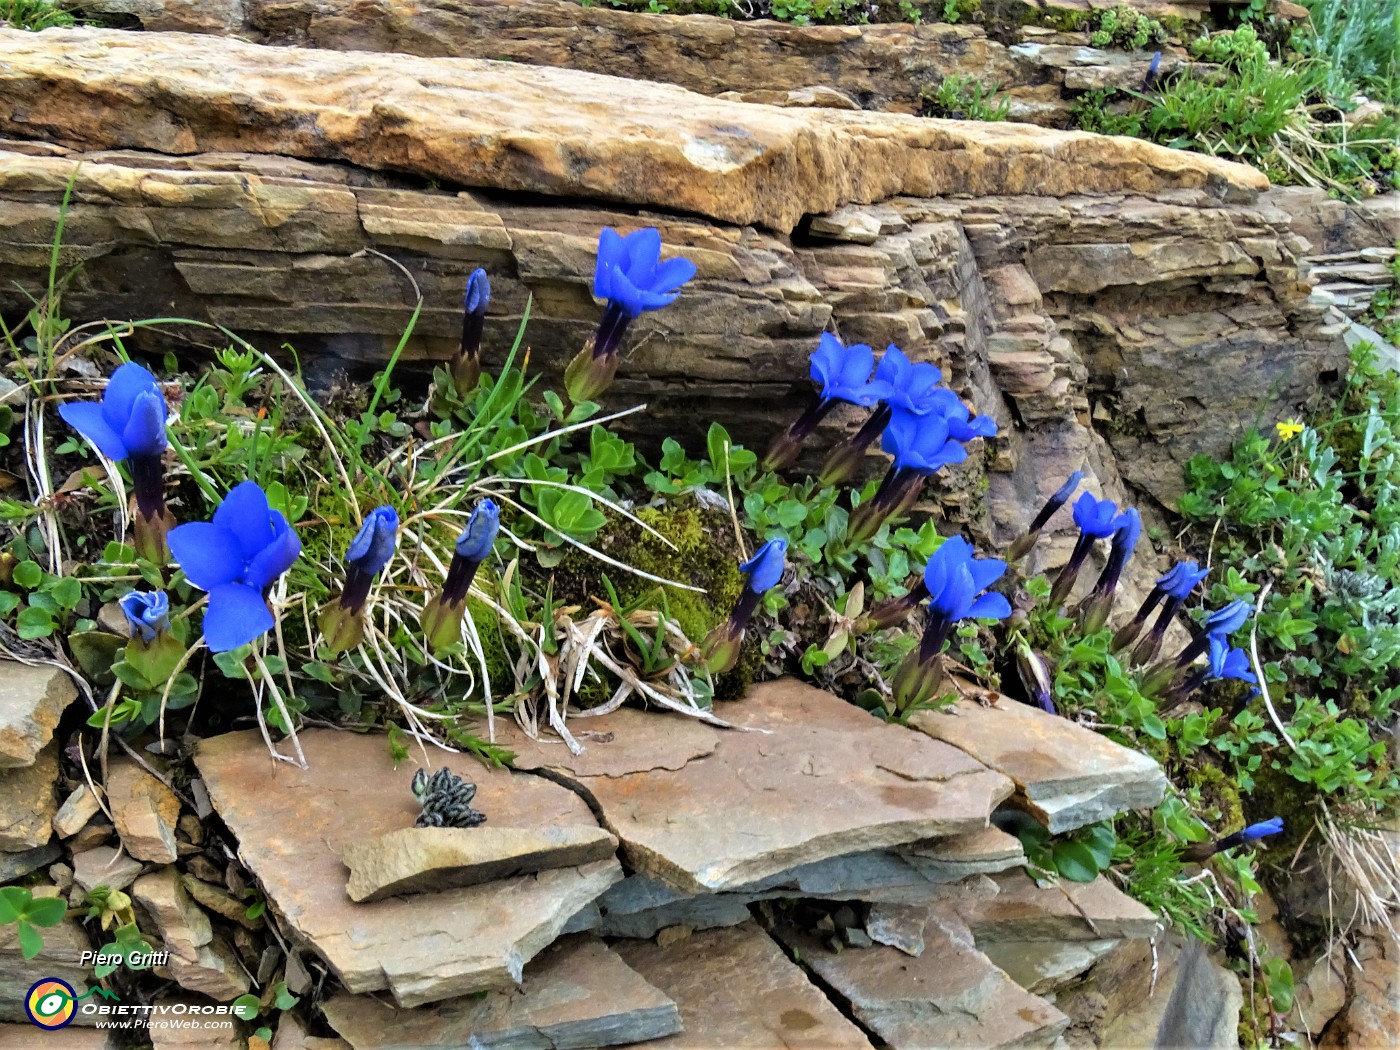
28	802
577	993
822	780
1065	774
949	996
427	860
292	826
553	131
1020	910
31	701
736	988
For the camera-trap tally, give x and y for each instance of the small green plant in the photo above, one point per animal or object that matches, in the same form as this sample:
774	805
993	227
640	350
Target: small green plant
1079	856
960	97
1122	27
955	11
33	15
30	914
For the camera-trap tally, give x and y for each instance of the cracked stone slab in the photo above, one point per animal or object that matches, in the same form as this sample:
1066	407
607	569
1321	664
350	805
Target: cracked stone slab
639	906
292	826
577	993
958	856
551	131
31	701
951	995
426	860
736	988
1021	910
815	778
1065	774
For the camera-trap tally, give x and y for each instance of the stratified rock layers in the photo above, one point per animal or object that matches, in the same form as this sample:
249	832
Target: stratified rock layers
545	130
1125	370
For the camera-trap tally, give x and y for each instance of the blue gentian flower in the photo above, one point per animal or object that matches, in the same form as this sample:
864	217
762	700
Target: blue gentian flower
1218	627
129	424
236	558
147	613
1253	833
843	372
765	568
1171	590
921	444
1058	499
911	386
374	544
1150	77
478	294
956	581
1226	662
630	275
1098	603
130	418
722	646
342	623
1096	518
1228	619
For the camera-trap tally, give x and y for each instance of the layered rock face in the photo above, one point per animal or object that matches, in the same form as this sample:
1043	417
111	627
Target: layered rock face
1090	276
1112	304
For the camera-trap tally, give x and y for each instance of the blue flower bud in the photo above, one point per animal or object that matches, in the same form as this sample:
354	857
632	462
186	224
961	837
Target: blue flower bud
477	539
147	613
374	544
1181	579
1227	620
1255	832
478	295
765	568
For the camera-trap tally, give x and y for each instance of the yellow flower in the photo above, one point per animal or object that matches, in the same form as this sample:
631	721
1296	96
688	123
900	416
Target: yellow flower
1288	429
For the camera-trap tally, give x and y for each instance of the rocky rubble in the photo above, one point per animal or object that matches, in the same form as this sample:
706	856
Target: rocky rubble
883	833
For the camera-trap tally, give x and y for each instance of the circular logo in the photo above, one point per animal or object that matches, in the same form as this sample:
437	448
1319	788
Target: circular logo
51	1003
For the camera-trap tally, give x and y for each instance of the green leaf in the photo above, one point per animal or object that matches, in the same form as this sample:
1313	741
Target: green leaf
46	911
30	943
1075	861
247	1007
285	1000
66	591
95	652
34	622
28	575
320	672
1100	841
791	513
13	902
